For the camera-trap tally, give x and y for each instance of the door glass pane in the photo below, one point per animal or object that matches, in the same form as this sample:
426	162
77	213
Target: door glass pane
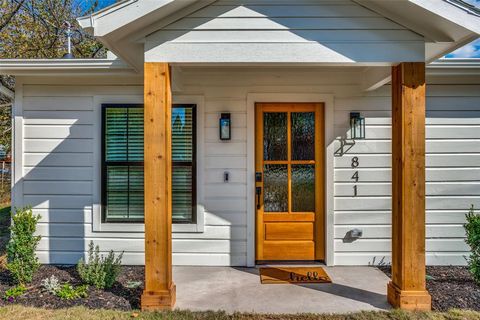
303	188
275	136
303	135
275	194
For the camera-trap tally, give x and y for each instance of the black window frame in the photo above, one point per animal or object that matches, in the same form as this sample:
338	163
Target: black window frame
105	164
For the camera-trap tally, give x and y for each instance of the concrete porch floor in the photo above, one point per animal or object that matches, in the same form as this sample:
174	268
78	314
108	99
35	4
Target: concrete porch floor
239	290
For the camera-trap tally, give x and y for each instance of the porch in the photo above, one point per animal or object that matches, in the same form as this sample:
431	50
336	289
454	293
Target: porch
232	289
407	288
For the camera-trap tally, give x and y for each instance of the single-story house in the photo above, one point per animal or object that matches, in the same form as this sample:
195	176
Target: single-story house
236	132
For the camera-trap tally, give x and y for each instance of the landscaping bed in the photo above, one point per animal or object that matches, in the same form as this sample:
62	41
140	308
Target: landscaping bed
124	295
450	287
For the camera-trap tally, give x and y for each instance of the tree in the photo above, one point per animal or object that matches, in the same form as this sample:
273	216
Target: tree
36	29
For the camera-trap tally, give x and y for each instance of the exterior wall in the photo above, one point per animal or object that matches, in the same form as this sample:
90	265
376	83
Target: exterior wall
453	175
312	31
58	163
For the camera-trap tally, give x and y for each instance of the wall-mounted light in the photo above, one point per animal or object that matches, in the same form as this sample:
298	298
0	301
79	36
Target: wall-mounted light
357	126
225	126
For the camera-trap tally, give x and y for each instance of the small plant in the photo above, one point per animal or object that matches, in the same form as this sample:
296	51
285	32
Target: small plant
133	284
21	259
472	228
51	285
100	272
68	292
12	293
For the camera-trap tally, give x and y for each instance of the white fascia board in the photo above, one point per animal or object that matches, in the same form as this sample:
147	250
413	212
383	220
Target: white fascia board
64	66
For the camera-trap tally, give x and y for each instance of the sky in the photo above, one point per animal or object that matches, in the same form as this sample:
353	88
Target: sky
471	50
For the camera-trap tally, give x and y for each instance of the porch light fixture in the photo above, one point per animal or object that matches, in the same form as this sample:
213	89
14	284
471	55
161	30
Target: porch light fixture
225	126
357	126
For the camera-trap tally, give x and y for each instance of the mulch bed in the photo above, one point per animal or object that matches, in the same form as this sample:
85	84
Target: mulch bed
450	287
120	297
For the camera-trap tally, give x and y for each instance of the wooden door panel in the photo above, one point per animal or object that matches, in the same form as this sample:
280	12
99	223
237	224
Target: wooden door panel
289	231
288	250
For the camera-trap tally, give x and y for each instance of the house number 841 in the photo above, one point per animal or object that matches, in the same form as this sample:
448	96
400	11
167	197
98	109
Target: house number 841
355	164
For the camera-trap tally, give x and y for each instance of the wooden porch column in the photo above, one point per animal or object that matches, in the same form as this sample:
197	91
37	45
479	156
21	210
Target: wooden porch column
159	290
407	289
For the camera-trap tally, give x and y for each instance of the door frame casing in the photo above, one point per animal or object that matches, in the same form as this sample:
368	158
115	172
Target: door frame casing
328	101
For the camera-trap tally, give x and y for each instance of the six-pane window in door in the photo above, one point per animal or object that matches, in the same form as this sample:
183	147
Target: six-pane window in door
122	163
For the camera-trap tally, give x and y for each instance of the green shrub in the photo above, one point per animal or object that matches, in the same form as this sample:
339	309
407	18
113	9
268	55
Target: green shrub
21	259
100	272
14	292
472	228
68	292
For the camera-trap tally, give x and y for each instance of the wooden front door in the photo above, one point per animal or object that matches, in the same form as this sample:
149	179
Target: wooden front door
289	180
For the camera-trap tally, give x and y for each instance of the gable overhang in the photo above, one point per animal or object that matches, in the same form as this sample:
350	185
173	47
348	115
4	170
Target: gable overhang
445	26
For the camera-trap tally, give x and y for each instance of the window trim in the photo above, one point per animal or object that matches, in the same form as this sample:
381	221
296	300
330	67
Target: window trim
104	165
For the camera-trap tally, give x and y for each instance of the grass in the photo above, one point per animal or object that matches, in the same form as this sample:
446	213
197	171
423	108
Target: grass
16	312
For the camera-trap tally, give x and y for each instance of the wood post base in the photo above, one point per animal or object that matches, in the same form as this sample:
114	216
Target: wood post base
408	300
162	300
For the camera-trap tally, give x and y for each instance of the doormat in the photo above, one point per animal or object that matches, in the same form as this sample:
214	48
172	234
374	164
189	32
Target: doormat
272	275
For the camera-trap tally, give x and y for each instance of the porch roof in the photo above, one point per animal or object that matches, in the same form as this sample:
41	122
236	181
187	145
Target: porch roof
123	27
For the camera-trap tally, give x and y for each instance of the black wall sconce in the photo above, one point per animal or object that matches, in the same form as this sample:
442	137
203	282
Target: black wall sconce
225	126
357	126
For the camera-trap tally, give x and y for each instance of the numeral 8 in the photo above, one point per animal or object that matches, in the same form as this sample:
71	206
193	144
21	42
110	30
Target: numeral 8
355	162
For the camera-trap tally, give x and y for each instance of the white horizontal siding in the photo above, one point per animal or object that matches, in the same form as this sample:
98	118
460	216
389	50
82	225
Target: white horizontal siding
293	32
61	146
60	149
452	175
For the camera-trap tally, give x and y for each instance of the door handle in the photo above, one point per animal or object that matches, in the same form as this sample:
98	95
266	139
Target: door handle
258	192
